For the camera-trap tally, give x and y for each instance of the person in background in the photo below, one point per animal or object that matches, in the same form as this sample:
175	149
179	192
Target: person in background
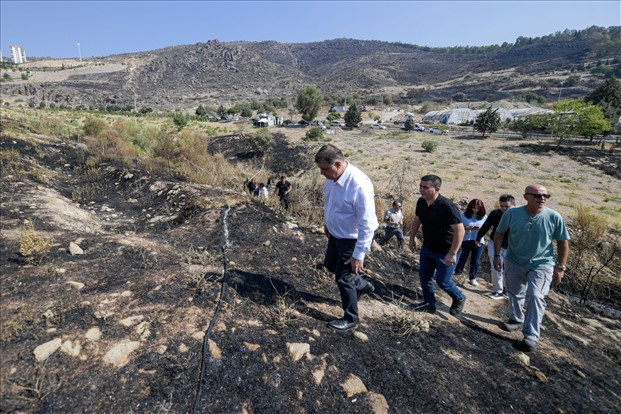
531	264
505	202
473	218
349	225
263	193
283	188
443	232
393	218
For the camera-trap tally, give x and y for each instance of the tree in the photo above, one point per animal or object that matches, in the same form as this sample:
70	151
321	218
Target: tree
488	121
591	122
574	117
352	116
246	111
523	126
309	101
608	96
409	124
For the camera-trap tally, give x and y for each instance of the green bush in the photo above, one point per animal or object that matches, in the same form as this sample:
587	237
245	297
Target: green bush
314	134
429	145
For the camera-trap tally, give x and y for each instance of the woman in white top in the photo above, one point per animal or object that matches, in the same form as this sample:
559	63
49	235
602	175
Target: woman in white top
473	218
263	193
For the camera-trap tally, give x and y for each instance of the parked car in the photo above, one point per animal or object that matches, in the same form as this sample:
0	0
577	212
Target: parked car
377	126
418	127
435	131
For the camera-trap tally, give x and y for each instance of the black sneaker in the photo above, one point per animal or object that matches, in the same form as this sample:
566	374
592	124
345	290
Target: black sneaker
525	345
423	307
511	325
457	306
496	295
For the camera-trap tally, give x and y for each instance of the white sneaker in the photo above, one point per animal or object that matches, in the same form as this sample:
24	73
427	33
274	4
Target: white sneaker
473	282
496	296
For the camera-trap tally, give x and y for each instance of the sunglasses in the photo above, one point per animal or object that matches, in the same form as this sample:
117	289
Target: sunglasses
546	196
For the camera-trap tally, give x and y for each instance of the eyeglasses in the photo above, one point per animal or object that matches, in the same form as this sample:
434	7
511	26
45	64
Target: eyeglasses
546	196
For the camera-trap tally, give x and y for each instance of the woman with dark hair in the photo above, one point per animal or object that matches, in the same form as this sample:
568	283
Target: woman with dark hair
473	218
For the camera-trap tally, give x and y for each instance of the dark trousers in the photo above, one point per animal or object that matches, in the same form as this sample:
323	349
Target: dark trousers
284	201
469	248
393	231
337	253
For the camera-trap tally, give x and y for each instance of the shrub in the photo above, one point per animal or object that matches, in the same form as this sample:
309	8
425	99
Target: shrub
314	134
180	121
261	142
429	145
34	248
94	127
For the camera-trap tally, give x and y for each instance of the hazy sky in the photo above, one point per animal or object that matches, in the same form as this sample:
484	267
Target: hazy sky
54	28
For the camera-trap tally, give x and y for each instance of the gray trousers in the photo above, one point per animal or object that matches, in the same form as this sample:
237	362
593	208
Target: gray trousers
528	288
498	277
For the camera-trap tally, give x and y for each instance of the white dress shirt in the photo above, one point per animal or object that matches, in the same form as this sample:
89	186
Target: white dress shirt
349	210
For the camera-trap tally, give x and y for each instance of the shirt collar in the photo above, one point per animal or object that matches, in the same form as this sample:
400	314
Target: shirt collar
345	176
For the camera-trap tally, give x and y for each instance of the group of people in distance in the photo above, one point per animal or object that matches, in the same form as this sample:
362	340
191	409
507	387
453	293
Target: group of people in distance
521	246
282	188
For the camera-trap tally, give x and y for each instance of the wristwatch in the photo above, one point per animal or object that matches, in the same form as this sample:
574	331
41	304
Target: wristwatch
561	267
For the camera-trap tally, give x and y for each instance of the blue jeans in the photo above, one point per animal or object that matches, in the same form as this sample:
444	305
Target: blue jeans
469	247
349	284
433	263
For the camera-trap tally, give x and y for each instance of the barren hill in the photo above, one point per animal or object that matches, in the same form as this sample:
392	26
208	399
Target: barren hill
184	76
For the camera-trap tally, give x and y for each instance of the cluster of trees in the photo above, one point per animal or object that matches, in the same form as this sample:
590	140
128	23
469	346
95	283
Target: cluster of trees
592	116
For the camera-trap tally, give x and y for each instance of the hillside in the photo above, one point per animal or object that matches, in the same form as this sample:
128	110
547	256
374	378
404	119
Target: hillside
181	77
118	324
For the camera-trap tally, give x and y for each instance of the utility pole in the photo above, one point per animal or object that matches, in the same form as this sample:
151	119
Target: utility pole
559	92
79	53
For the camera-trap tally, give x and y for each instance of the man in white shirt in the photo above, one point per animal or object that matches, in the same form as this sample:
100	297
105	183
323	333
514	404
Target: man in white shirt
349	225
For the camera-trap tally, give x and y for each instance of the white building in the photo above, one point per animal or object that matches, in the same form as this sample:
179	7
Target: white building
18	54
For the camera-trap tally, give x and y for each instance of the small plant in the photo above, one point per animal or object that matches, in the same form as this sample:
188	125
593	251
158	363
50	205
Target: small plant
180	121
314	134
429	145
34	248
404	323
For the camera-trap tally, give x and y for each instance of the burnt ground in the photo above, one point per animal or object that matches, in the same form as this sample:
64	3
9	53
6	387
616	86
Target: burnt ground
130	313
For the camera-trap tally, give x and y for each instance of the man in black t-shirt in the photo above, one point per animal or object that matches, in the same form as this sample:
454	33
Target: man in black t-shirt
283	188
443	233
505	202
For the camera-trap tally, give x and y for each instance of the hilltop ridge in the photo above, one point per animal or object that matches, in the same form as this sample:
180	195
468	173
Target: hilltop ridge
184	76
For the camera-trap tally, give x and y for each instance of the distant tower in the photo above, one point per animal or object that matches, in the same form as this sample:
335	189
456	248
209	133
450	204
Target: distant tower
18	54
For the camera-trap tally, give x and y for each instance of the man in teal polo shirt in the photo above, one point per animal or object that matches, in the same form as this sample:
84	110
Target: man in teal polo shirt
531	265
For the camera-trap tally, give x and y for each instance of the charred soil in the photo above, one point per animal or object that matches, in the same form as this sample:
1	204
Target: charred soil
120	328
